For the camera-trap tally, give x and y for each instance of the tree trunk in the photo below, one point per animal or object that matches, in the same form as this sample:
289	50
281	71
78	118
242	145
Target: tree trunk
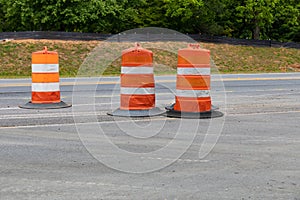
256	31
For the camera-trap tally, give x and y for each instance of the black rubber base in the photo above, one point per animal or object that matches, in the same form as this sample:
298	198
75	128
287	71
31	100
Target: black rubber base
191	115
30	105
137	113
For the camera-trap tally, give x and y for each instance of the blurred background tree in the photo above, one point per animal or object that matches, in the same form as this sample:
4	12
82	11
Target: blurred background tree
252	19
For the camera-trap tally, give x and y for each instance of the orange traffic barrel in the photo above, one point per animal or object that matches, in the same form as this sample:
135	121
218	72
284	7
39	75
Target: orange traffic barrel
45	85
193	85
137	87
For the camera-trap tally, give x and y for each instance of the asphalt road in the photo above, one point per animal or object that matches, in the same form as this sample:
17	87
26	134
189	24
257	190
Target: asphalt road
255	152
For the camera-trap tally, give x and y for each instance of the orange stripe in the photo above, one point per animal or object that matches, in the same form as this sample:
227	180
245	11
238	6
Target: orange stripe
137	64
45	97
137	58
196	82
137	102
198	52
188	56
189	65
39	58
45	77
188	104
137	80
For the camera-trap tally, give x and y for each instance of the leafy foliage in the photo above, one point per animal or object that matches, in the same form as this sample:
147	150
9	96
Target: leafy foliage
259	14
257	19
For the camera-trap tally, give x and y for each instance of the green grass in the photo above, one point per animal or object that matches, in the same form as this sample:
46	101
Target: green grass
100	58
246	59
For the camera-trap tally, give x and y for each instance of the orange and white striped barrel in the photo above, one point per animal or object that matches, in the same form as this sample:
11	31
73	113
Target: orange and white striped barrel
137	79
45	77
193	80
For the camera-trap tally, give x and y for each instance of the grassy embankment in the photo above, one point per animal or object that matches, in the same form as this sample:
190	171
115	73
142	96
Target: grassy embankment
15	57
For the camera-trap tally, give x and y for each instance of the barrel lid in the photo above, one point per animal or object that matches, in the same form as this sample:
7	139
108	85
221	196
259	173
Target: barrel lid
136	49
45	51
195	48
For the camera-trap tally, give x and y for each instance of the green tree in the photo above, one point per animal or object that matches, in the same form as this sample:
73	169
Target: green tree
258	14
59	15
180	15
183	14
257	19
286	26
209	19
152	13
126	13
1	16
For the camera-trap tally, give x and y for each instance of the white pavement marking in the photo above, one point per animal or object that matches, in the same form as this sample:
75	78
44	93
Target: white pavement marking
137	120
51	115
109	122
44	182
73	124
178	160
264	113
10	108
264	95
275	140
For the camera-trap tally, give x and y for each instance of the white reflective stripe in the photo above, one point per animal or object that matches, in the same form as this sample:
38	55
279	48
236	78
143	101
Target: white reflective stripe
45	68
137	70
193	71
45	87
193	93
126	90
